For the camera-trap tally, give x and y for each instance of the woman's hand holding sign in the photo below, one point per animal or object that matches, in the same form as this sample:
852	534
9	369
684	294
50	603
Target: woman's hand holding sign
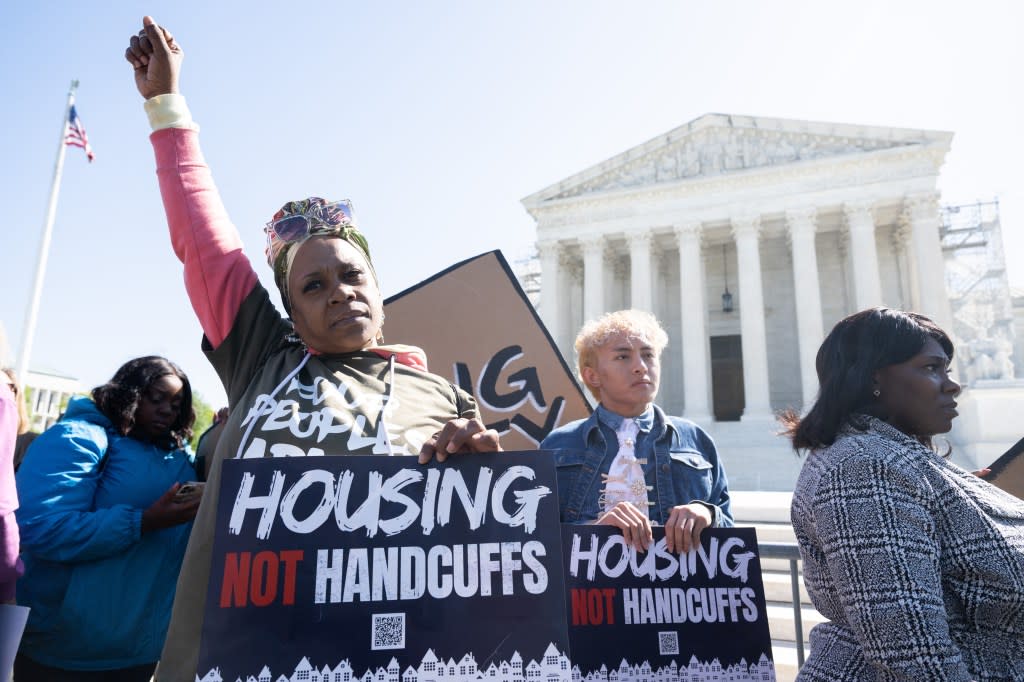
460	436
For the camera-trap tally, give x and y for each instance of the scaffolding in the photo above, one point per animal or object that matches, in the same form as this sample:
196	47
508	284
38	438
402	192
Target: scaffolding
979	291
527	271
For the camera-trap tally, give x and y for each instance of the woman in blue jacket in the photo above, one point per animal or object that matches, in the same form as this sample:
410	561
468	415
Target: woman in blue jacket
104	527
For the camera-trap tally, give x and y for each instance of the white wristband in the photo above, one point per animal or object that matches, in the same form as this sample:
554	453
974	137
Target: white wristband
169	111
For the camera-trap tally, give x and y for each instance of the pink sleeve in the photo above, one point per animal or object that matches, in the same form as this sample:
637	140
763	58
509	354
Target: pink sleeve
10	564
218	275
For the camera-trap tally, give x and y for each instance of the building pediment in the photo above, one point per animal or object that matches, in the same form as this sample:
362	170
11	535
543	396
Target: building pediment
719	144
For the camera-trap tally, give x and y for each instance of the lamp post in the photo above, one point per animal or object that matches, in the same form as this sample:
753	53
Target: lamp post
726	296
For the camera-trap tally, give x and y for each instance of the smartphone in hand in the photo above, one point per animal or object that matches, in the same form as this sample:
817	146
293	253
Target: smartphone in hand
189	490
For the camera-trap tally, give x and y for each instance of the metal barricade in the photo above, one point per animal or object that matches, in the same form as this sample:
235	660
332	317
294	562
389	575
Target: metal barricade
789	551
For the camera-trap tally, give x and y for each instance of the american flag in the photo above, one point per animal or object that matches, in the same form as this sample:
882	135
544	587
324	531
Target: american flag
74	134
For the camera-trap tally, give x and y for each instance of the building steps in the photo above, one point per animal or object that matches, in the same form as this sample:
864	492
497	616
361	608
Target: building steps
754	456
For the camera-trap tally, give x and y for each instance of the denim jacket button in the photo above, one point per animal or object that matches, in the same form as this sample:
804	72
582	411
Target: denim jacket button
664	467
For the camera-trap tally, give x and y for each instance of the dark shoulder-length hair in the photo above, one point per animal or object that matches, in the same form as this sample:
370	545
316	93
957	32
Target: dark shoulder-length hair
118	399
853	351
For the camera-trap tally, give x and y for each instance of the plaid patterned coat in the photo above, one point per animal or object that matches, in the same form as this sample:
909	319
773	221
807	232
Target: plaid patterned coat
918	564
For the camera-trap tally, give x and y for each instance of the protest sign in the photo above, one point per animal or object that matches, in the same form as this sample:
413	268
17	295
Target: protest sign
480	331
378	568
664	616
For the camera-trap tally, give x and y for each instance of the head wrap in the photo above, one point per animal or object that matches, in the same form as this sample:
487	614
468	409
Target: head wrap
324	218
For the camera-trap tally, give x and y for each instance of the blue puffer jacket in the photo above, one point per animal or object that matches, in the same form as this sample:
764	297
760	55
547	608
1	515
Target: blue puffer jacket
99	590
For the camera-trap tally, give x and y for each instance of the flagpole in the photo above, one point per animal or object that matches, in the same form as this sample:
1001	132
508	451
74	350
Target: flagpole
28	333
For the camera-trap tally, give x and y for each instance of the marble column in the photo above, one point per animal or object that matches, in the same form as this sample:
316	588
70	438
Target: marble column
42	400
905	265
571	287
593	277
802	227
640	271
867	283
922	214
747	233
41	411
550	256
615	281
693	311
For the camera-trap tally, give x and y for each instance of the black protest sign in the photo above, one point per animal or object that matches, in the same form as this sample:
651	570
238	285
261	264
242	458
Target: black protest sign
378	566
658	615
480	331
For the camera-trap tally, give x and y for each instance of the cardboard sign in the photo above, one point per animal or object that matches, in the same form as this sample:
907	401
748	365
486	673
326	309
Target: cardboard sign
378	568
480	331
662	616
1007	472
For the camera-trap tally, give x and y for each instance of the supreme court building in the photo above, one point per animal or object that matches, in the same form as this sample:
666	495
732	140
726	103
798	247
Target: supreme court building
749	238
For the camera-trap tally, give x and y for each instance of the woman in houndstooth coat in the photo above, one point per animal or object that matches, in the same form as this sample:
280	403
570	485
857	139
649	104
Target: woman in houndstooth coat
917	563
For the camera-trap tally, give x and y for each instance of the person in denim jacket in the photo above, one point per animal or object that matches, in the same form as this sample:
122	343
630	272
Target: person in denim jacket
629	464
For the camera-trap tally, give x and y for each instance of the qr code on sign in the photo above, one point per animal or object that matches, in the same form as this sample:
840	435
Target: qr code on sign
388	631
668	643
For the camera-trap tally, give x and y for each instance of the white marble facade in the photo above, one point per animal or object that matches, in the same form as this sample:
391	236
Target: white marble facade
48	394
803	222
816	219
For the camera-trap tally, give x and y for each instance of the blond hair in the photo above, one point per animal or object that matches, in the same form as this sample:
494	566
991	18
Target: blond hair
23	421
638	324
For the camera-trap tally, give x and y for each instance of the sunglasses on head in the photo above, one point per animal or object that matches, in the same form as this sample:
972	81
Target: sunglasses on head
297	226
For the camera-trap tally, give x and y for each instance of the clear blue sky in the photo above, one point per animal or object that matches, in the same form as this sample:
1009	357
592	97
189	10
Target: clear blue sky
435	118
